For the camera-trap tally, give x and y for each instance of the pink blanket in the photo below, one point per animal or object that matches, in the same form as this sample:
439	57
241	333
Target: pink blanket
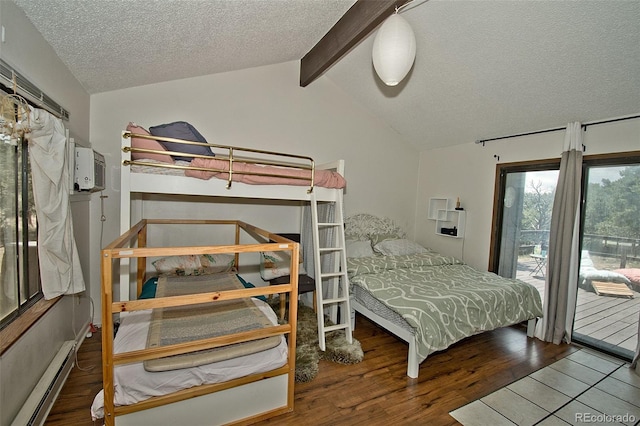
323	178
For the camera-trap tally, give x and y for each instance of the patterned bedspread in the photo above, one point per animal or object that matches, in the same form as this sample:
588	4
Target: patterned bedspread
443	299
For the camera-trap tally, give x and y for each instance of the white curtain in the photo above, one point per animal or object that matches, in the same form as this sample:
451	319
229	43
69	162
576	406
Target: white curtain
60	268
561	287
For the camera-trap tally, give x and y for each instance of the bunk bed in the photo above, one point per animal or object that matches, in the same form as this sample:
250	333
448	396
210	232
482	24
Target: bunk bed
429	300
222	171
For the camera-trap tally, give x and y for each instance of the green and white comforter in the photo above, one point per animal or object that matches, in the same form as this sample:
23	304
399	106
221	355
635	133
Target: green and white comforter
442	298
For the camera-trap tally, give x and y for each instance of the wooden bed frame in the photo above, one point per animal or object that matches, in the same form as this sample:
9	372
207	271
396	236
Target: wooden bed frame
270	393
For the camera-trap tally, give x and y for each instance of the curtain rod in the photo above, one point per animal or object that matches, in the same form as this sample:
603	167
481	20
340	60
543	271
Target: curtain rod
556	129
14	81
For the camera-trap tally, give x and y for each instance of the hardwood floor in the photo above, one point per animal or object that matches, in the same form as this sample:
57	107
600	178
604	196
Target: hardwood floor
84	382
376	391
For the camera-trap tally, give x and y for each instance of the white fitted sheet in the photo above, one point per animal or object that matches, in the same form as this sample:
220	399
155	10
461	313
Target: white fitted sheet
134	384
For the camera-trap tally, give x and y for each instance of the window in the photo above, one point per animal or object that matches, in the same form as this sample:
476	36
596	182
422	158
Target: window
20	286
609	274
606	315
521	225
19	271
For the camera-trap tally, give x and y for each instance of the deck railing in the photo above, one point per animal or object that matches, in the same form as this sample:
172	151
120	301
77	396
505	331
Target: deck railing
623	248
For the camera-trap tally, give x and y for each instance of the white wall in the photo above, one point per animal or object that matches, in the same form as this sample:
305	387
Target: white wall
264	108
468	171
24	362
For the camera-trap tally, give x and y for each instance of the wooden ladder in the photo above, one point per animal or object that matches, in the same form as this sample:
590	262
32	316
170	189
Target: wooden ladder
335	279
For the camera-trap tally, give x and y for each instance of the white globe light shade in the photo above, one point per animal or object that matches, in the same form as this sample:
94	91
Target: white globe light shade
394	50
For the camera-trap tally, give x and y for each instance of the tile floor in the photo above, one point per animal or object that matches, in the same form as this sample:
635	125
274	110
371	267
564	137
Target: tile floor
585	387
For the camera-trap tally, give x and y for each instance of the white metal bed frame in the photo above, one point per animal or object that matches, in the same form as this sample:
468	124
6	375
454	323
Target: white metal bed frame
361	226
146	183
413	366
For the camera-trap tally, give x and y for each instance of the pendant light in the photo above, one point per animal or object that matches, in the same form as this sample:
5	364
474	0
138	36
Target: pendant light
394	50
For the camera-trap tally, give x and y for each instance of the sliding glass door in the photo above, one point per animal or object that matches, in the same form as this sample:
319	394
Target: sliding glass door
525	205
608	302
609	280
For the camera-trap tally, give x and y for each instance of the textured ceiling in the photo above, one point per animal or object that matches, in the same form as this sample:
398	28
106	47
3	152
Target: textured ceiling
114	44
483	68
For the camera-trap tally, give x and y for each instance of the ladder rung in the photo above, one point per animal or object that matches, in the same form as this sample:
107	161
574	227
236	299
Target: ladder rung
328	328
333	275
332	301
327	249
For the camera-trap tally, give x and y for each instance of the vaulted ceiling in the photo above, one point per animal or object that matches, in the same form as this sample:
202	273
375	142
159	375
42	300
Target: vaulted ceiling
483	68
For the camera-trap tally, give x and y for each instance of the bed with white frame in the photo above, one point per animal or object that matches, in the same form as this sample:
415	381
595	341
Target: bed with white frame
273	389
362	231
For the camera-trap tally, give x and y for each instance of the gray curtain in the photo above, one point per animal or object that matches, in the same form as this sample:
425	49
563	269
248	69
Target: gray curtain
561	285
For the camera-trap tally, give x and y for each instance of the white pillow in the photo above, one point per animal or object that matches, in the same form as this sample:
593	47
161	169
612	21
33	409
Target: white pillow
275	264
193	264
357	248
603	275
398	247
378	238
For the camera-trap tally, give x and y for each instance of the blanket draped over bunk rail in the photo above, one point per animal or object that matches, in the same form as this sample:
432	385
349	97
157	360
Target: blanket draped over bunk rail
188	323
254	174
256	167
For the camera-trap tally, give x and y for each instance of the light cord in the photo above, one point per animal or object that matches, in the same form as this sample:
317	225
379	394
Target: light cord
409	5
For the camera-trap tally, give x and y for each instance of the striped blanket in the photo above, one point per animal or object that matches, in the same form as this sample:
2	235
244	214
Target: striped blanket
190	323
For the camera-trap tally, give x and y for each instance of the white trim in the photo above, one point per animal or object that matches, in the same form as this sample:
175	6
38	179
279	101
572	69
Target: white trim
37	406
413	366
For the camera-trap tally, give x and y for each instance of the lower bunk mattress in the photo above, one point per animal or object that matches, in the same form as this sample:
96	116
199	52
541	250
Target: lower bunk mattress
133	383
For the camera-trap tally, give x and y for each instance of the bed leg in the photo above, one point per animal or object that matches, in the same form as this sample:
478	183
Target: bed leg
531	327
413	367
353	318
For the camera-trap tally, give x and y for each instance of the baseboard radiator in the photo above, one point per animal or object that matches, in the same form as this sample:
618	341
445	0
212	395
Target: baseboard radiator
39	403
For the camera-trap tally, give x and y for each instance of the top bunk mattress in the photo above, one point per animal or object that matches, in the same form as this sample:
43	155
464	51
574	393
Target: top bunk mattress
252	174
168	165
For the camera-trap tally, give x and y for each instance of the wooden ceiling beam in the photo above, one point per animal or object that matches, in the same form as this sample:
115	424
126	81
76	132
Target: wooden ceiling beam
356	24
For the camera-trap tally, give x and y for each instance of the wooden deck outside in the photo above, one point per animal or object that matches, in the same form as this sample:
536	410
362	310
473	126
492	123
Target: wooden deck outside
613	321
